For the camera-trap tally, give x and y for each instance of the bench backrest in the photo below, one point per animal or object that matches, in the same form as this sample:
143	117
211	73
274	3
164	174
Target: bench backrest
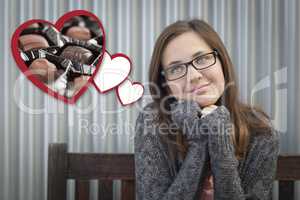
83	167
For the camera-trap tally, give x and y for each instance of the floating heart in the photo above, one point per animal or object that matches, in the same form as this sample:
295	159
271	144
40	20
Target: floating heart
113	71
129	92
62	58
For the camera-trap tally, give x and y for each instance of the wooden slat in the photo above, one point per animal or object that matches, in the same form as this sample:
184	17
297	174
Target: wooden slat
127	190
288	167
109	167
57	166
286	190
101	166
82	190
105	191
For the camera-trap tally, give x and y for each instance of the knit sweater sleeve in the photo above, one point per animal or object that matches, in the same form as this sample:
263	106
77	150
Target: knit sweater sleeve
258	174
153	178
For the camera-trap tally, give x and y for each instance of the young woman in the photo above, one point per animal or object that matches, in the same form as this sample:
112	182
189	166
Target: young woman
196	140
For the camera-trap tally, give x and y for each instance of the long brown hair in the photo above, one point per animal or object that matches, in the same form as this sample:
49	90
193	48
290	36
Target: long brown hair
245	118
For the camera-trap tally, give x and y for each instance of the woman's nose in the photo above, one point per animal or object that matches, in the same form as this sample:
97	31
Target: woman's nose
193	74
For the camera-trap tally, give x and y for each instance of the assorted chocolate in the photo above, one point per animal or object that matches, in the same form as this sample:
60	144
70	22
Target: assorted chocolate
72	53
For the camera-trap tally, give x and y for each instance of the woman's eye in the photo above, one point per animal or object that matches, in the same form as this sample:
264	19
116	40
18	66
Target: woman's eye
203	59
200	60
177	69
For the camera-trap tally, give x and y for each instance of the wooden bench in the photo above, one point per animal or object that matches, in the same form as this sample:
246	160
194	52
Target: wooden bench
83	167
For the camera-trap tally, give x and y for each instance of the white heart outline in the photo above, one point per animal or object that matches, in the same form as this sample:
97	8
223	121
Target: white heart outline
125	84
98	75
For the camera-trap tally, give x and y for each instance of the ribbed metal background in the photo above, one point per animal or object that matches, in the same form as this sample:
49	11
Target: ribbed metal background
262	37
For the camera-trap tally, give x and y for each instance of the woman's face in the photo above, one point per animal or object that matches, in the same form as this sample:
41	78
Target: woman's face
183	49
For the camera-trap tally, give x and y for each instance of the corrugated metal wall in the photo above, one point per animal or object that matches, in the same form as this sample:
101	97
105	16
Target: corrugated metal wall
262	37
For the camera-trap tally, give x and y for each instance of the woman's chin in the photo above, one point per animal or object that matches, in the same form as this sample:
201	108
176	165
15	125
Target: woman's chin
204	101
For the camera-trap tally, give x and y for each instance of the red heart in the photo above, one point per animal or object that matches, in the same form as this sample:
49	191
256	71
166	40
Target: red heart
58	25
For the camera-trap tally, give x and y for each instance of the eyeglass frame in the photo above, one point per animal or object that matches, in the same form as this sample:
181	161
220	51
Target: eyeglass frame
186	64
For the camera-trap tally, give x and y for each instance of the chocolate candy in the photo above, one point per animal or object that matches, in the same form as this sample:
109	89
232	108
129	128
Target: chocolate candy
32	41
80	33
44	70
78	54
64	60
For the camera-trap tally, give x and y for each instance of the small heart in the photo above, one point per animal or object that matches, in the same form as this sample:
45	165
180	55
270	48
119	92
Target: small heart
113	71
129	92
69	40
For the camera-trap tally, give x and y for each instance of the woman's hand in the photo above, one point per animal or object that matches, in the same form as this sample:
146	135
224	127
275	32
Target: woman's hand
219	130
185	114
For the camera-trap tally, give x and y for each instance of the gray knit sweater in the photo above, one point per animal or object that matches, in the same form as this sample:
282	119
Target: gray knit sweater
209	142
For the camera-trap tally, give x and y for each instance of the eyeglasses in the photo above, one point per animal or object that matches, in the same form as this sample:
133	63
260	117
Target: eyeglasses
201	62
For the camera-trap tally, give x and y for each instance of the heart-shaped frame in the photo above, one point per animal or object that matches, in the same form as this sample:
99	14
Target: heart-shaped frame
58	25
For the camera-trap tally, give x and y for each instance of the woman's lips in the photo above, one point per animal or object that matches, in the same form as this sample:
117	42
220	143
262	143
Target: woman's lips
200	89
